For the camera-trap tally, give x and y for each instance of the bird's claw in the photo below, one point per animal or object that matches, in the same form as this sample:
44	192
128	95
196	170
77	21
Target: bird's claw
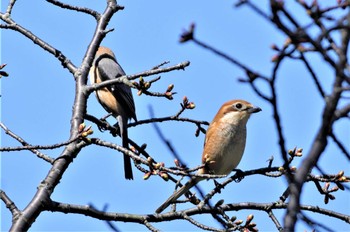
239	175
103	126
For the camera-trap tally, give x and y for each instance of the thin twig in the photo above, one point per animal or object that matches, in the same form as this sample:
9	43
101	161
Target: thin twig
27	146
85	10
125	79
9	204
10	7
275	220
200	225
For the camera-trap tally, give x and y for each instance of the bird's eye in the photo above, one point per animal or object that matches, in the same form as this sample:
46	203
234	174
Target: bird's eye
239	106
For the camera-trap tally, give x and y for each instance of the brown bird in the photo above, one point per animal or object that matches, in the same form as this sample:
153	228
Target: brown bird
224	144
116	99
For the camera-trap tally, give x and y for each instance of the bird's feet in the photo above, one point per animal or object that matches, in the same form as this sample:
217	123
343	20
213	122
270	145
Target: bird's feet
239	175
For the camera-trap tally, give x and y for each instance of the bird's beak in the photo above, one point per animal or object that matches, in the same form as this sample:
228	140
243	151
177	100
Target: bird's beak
254	110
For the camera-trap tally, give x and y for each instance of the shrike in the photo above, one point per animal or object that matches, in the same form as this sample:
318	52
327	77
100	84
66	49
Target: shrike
224	144
117	98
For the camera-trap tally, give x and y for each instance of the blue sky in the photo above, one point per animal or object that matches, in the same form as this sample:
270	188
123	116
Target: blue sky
37	99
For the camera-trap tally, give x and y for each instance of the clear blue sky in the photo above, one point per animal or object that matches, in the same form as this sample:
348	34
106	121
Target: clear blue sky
37	100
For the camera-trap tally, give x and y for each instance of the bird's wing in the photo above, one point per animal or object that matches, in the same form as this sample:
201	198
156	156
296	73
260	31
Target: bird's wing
209	133
209	150
109	69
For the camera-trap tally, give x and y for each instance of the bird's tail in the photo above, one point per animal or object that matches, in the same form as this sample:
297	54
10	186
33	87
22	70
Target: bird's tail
127	159
124	135
184	189
128	168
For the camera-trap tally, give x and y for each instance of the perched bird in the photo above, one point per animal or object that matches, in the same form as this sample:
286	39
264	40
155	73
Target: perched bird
116	99
224	144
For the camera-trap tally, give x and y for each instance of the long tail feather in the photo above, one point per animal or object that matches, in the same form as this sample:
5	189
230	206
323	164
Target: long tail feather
192	182
124	135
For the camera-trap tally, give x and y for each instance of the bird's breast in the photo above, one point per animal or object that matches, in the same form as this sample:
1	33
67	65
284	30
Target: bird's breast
224	149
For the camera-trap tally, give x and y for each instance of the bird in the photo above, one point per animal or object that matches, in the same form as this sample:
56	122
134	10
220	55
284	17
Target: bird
224	144
116	99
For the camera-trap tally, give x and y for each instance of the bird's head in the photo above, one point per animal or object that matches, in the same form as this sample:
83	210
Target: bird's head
235	111
104	51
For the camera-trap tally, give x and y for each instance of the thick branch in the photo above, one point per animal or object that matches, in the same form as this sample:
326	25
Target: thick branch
47	186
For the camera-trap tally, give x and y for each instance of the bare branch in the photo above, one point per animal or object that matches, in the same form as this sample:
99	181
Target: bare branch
313	75
124	217
342	112
9	204
274	219
10	7
149	226
47	186
340	145
200	225
123	79
26	146
91	12
163	139
11	24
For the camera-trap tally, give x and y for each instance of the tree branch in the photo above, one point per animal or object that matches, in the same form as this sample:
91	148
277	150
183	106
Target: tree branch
85	10
26	146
